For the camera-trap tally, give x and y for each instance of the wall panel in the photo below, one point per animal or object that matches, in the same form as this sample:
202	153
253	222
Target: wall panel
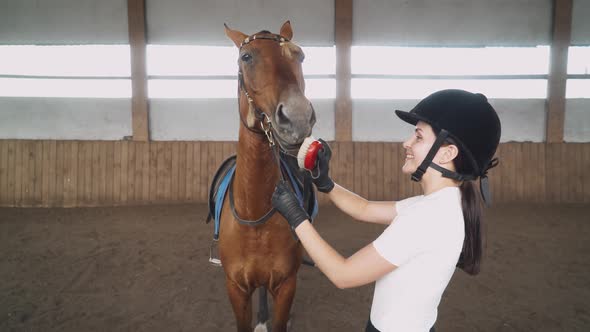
586	174
577	120
216	119
449	22
29	22
522	120
580	22
104	173
64	118
201	22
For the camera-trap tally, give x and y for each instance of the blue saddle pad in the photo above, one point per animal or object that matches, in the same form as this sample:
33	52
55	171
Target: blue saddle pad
222	181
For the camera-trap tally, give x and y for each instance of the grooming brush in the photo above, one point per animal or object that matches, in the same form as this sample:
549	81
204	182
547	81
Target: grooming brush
308	153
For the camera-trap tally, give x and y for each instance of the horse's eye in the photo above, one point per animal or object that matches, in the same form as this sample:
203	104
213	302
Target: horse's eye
246	57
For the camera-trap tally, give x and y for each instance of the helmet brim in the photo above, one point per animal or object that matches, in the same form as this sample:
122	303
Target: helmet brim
410	118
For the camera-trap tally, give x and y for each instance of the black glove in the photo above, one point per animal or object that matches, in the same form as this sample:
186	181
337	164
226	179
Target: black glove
321	172
285	201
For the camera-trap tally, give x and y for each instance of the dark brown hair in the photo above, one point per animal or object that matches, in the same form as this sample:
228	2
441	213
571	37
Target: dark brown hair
471	203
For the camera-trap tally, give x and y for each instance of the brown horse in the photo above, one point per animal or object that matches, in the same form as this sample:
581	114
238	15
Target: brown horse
257	247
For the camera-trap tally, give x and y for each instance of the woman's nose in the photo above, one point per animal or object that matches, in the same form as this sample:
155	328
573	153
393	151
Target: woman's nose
406	143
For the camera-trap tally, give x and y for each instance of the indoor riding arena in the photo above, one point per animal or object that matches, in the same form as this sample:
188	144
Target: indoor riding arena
116	114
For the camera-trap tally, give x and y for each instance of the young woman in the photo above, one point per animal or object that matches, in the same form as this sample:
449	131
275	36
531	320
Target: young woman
456	135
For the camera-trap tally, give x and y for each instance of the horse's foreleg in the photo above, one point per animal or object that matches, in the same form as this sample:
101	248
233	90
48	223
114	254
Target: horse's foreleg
242	305
283	299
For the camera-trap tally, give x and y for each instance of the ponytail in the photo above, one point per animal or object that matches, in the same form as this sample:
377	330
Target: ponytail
470	258
472	205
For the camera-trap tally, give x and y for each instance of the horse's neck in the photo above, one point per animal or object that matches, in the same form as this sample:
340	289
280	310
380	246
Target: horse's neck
257	174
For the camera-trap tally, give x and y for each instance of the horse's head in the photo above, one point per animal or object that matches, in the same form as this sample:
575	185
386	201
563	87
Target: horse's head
271	83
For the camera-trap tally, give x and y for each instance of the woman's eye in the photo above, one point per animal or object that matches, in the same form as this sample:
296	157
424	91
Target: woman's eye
246	57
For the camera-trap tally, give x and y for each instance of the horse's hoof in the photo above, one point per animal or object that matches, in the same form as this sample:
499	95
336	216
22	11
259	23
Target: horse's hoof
261	327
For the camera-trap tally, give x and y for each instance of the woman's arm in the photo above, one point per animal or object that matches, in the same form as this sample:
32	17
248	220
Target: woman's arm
362	268
362	209
366	266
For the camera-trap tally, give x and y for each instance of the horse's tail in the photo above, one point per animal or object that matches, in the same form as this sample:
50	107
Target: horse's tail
262	310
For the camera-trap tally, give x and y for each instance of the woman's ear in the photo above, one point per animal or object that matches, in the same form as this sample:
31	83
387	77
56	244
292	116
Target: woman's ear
449	152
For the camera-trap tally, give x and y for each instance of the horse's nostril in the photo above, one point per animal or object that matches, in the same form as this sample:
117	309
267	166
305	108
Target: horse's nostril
281	116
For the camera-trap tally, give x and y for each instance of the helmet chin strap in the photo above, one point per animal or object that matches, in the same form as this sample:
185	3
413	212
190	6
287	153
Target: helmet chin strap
440	139
427	162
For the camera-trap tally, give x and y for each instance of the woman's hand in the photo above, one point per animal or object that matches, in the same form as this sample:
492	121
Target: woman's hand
323	181
285	201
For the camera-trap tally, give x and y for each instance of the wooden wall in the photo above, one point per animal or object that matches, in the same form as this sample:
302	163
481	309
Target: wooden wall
102	173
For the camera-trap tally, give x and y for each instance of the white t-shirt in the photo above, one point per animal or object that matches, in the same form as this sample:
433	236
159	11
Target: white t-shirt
424	241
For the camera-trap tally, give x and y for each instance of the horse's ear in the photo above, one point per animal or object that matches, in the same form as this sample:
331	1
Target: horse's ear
236	36
286	30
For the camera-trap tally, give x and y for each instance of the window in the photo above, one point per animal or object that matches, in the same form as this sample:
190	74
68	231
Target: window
419	88
578	70
578	60
68	88
183	71
98	71
414	72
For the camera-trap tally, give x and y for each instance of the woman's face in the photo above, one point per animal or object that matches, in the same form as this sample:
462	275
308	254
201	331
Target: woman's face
417	147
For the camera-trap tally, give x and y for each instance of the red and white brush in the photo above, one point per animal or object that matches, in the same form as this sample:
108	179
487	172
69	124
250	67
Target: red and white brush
308	153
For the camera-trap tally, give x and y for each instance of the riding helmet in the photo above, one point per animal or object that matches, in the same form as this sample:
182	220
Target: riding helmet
469	119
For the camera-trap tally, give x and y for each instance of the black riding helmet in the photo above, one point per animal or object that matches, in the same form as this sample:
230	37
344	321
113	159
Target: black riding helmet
467	118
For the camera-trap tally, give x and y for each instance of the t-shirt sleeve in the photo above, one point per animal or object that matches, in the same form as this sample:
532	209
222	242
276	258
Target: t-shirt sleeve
400	241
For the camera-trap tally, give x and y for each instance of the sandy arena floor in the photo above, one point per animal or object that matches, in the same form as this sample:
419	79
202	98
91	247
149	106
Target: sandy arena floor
145	269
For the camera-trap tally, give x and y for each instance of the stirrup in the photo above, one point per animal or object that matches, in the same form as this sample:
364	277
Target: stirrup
214	254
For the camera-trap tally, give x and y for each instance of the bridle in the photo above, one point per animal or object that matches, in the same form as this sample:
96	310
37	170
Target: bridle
266	129
259	115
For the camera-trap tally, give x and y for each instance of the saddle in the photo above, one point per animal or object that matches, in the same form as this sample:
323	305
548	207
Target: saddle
300	183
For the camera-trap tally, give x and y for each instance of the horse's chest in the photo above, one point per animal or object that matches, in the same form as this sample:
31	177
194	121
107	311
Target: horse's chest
271	241
259	254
